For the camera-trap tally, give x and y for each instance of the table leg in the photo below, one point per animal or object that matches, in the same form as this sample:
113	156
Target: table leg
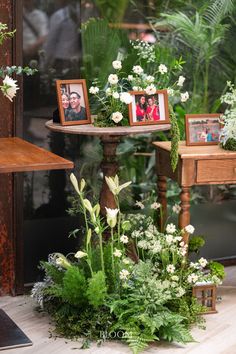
184	216
161	190
109	167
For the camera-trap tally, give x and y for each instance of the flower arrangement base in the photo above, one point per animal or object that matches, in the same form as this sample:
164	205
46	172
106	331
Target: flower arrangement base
206	296
229	145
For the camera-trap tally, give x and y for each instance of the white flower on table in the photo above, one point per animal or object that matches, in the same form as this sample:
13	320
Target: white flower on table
117	253
181	81
93	90
124	273
150	90
203	262
117	117
170	268
113	79
162	68
126	97
189	229
124	239
117	64
137	69
9	87
184	96
176	208
170	228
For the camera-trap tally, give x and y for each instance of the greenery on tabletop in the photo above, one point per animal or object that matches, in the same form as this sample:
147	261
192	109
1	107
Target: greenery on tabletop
135	285
228	119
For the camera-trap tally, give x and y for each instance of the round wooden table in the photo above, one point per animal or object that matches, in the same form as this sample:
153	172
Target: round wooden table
110	138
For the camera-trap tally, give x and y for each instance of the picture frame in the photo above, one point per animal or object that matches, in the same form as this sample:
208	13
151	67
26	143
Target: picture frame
149	109
202	129
73	102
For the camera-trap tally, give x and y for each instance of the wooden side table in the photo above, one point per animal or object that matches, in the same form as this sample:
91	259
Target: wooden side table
197	165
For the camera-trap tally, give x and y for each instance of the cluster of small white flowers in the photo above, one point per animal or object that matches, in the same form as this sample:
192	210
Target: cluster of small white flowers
229	117
192	278
115	95
144	50
94	90
143	244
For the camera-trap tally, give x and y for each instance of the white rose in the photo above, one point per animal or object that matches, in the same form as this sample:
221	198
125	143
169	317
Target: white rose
117	64
150	90
162	69
113	79
93	90
116	95
181	81
137	69
117	117
184	96
150	78
9	87
126	97
189	229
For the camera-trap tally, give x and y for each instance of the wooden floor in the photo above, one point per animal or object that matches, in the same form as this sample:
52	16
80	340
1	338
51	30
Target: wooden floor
218	338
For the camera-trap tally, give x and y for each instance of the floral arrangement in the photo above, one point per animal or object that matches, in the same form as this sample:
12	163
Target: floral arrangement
135	285
228	119
112	100
9	85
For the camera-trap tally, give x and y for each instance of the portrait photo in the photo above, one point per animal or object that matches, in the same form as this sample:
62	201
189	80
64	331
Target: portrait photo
73	102
149	109
202	129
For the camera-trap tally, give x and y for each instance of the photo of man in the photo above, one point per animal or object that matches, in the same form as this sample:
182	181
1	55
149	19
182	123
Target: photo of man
75	110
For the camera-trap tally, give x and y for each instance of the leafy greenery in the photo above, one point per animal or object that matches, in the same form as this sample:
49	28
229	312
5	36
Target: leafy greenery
217	269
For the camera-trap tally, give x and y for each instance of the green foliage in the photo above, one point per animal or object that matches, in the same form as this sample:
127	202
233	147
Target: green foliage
175	135
230	144
110	11
74	287
97	289
52	272
4	33
195	243
217	269
138	339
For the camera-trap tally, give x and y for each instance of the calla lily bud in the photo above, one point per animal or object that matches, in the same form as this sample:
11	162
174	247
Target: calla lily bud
63	262
82	185
89	234
97	230
80	254
88	205
97	209
74	181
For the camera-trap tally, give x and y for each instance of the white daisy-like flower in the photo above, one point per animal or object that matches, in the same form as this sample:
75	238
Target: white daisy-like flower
170	268
189	229
117	117
113	79
124	239
124	273
203	262
117	253
139	204
150	79
162	68
155	205
9	87
150	90
181	81
130	77
116	95
117	64
170	228
184	96
176	208
137	69
126	97
93	90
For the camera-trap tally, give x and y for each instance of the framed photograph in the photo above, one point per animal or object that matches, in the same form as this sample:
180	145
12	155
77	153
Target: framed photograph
202	129
73	102
149	109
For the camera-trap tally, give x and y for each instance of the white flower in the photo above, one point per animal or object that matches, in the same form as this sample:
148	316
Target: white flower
150	78
108	91
117	64
124	274
162	69
170	91
126	261
155	205
130	77
150	90
93	90
124	239
111	216
170	228
113	79
169	239
181	81
139	204
178	238
202	261
137	69
117	117
113	184
170	268
80	254
175	278
116	95
189	229
192	278
176	208
126	97
180	292
117	253
143	244
184	96
9	87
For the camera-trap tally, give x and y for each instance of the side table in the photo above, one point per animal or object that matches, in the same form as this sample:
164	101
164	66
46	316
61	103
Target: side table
110	138
197	165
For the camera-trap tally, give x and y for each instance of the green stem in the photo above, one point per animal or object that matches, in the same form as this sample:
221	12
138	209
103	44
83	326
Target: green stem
119	219
206	79
112	250
101	252
90	267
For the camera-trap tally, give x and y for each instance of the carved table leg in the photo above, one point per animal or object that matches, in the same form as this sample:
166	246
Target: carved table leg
109	168
161	190
184	216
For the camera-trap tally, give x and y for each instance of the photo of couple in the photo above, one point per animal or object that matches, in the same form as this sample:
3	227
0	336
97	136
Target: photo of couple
73	102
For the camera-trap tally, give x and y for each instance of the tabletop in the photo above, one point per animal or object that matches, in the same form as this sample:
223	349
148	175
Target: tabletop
18	155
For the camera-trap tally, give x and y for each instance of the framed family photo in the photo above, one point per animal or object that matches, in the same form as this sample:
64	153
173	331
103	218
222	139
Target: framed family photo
73	102
202	129
149	109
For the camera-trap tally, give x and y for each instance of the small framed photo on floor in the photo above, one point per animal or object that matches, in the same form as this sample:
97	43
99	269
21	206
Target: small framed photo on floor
149	109
73	103
202	129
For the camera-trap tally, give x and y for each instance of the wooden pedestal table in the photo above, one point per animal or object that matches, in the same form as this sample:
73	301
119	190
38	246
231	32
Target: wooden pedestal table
197	165
110	138
17	155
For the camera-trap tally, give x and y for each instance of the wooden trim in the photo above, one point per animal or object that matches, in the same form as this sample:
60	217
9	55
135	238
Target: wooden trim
140	27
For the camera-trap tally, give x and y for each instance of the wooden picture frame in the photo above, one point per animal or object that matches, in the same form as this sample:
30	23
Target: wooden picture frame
149	109
202	129
73	102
